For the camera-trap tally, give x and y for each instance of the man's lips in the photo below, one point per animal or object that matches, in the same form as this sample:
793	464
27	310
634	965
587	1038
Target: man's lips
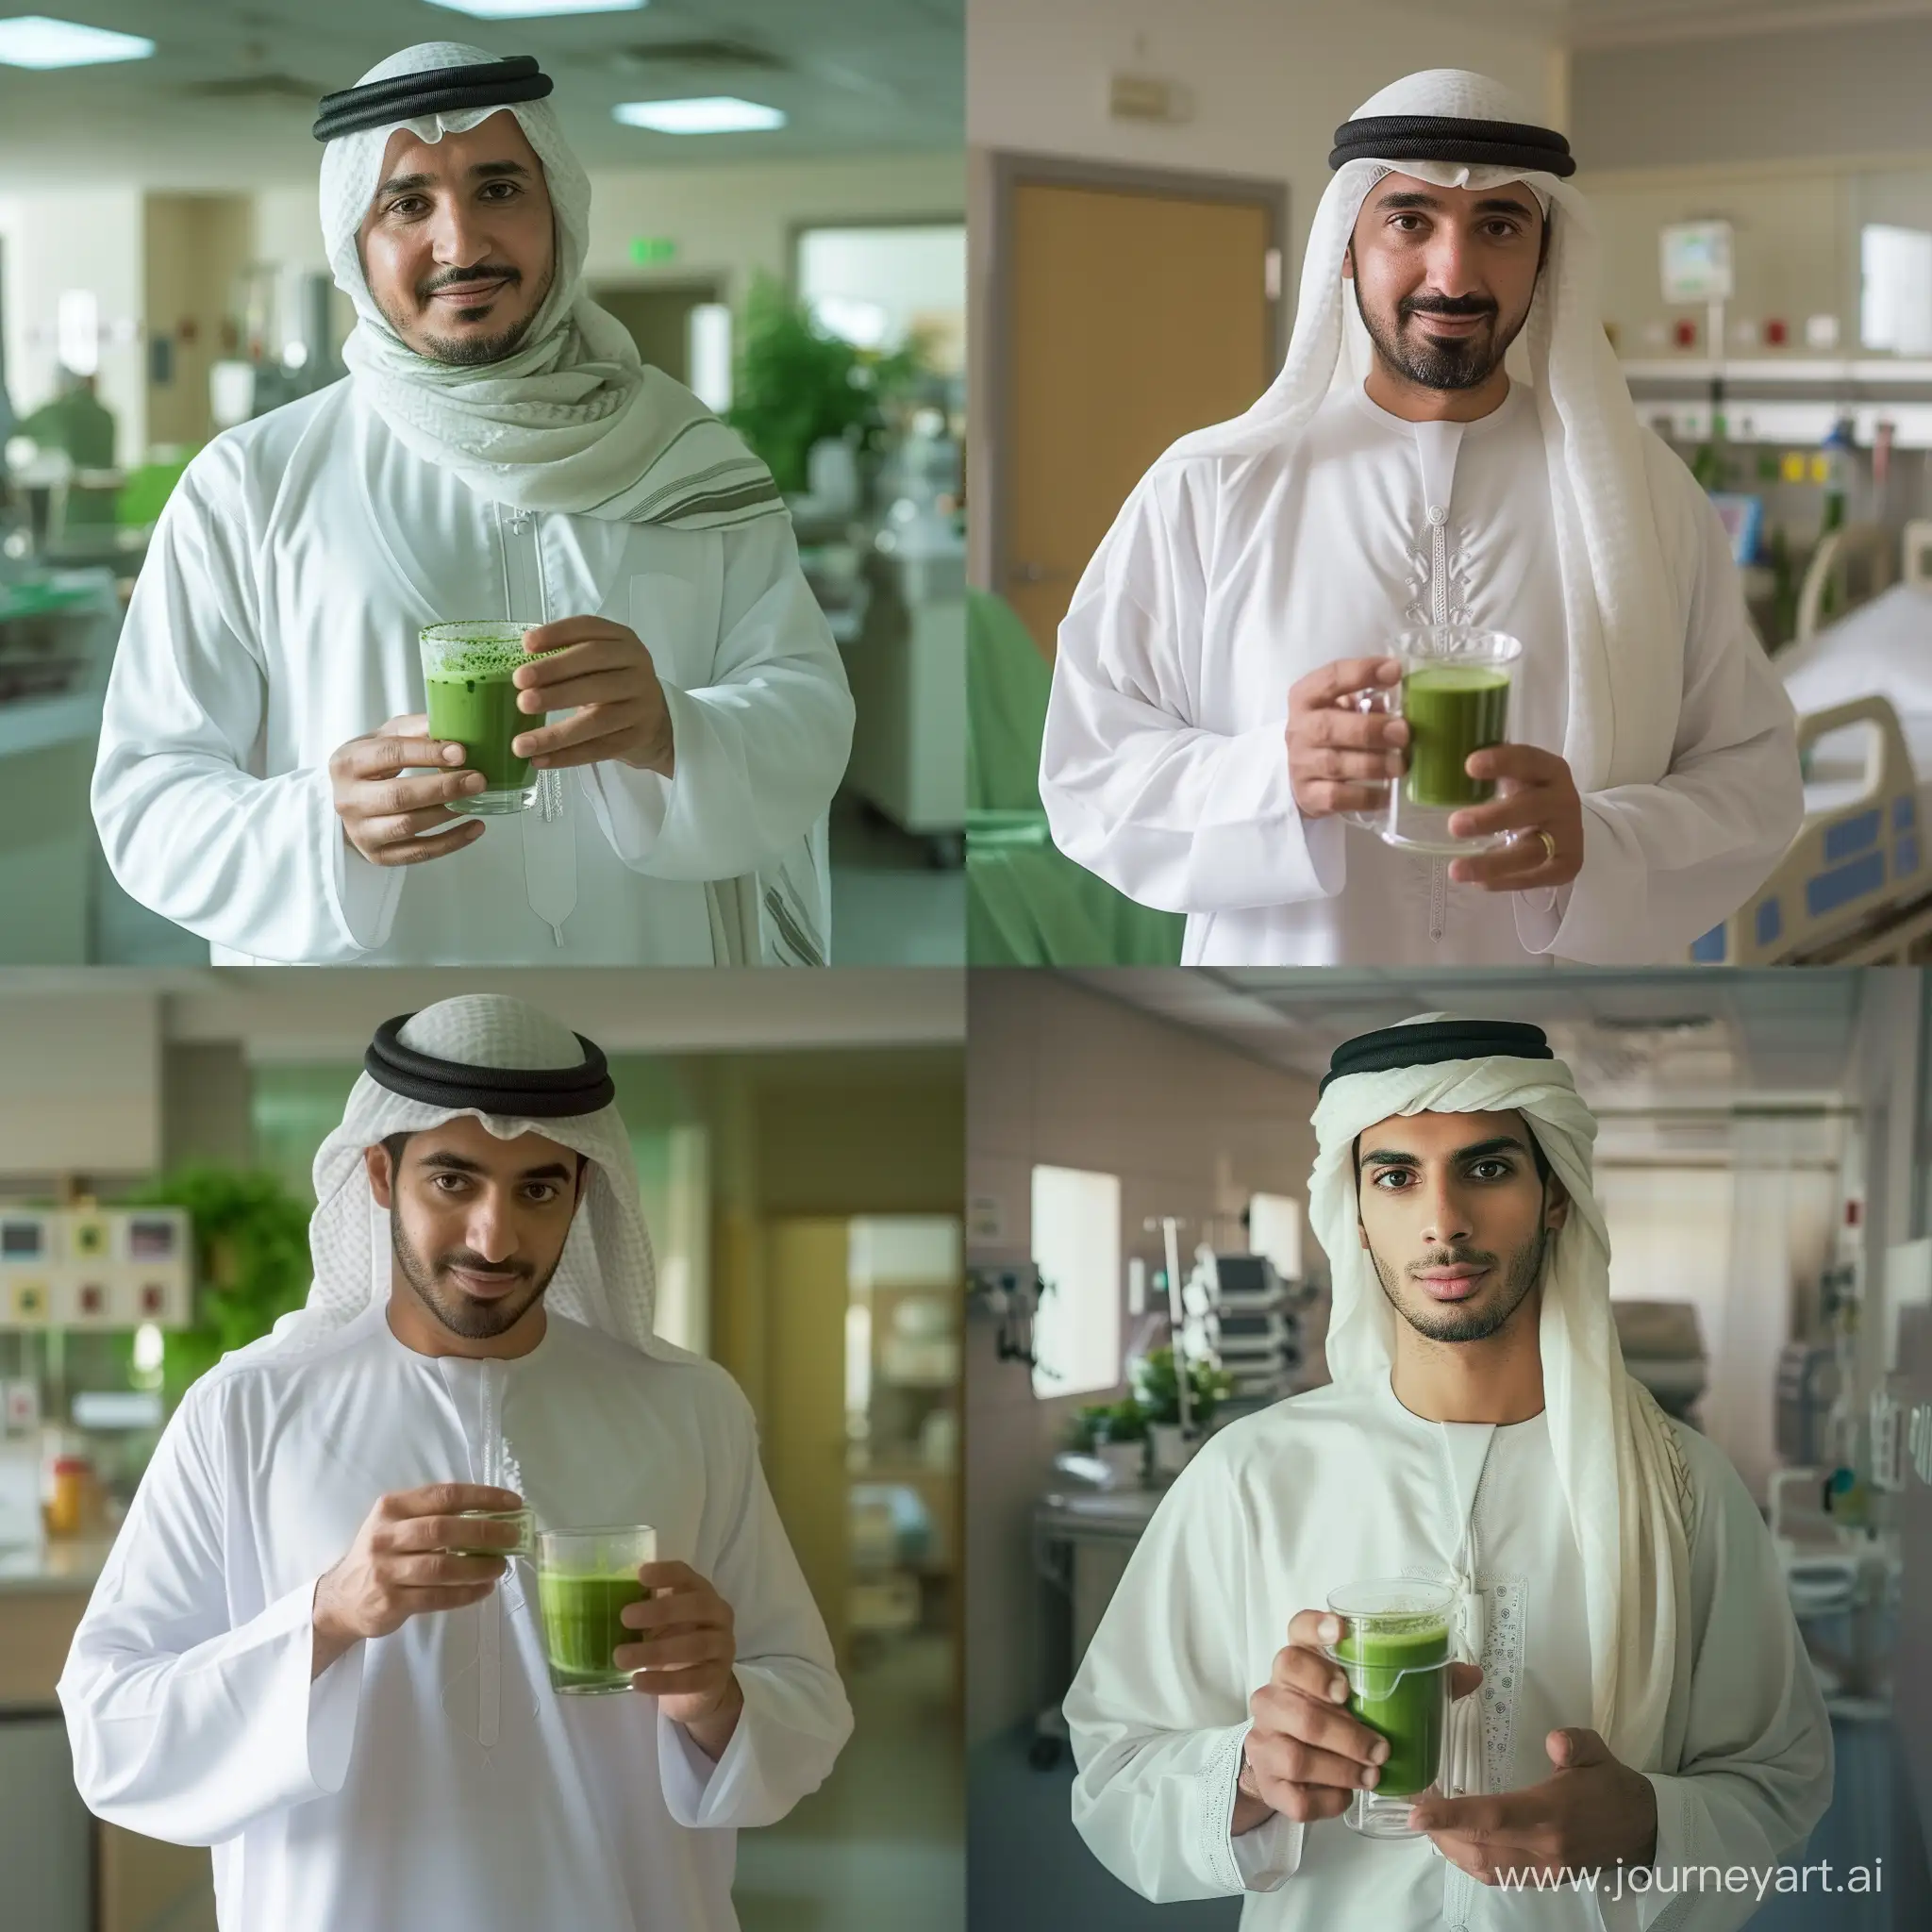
1451	1284
469	295
484	1287
1450	325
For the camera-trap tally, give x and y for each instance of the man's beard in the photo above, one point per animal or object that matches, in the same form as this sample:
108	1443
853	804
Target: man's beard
462	1314
1465	363
473	351
1457	1321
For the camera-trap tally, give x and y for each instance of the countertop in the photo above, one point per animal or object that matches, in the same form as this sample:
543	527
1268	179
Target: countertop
69	1564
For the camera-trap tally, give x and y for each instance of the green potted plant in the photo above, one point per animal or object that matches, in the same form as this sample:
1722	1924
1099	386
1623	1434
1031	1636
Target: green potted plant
1158	1391
1114	1433
252	1265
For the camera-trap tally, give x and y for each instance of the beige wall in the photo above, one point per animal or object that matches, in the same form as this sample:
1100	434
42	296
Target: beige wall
197	246
1060	1075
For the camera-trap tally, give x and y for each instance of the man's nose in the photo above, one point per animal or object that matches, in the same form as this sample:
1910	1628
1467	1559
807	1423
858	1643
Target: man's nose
1446	1220
457	236
1452	269
487	1231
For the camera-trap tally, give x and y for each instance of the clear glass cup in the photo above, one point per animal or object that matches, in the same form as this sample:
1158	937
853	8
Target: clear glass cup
1394	1652
585	1578
1455	697
526	1522
467	669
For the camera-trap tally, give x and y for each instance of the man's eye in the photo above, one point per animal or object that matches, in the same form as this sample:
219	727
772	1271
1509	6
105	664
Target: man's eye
1489	1169
1392	1173
449	1183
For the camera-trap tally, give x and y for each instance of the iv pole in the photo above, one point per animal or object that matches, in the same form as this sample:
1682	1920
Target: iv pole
1176	1315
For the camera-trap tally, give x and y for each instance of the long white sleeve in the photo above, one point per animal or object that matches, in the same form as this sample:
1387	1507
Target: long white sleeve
1174	816
1663	863
190	825
186	1723
761	746
1755	1774
1159	1710
795	1719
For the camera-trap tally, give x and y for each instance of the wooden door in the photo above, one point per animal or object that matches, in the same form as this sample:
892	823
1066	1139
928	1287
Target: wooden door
807	1289
1132	318
659	318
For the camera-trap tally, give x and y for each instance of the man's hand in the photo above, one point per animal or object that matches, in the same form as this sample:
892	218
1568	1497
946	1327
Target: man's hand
604	670
396	1568
1594	1812
684	1654
1341	759
1535	793
386	816
1307	1756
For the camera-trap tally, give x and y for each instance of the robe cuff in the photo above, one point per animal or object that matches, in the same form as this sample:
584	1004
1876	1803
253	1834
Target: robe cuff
308	1727
1263	1859
634	805
1677	1851
701	1794
1259	850
365	896
1602	917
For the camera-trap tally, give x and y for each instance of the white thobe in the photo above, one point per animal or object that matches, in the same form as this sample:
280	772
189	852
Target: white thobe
431	1777
1343	1485
275	618
1164	768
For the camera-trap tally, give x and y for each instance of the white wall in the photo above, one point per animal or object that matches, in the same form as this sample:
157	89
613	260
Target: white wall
80	1082
90	238
1270	80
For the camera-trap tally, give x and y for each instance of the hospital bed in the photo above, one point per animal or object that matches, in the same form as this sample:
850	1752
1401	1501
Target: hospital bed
1855	888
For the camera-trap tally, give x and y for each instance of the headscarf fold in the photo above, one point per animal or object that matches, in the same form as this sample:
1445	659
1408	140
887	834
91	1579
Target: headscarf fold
1624	620
607	1276
1624	1481
574	421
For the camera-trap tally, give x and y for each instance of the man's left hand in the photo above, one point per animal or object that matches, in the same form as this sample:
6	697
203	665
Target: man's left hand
603	670
1535	795
684	1653
1593	1813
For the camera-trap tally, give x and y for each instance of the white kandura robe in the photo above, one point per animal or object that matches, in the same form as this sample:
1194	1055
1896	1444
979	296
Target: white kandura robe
1164	768
1343	1485
431	1777
275	618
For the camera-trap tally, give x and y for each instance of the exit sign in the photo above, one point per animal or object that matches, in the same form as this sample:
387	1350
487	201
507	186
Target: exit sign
649	251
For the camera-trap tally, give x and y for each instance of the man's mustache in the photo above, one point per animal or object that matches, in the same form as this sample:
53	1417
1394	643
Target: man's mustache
473	1264
1454	1257
1445	304
465	277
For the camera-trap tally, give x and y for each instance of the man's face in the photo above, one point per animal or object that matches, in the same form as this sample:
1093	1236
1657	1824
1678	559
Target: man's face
478	1223
459	245
1443	276
1453	1215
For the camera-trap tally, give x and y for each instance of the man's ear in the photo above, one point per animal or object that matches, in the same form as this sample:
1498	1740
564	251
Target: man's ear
375	1163
1556	1203
1361	1234
1348	263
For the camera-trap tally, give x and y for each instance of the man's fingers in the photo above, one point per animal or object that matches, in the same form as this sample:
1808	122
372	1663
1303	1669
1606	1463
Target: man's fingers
1345	675
1325	761
1573	1748
409	825
1322	798
1297	1763
598	687
1512	868
384	757
675	1653
434	1570
1526	761
453	1533
1310	1673
1305	1804
572	733
1323	1726
1515	811
449	1499
1311	1629
415	851
1346	730
565	631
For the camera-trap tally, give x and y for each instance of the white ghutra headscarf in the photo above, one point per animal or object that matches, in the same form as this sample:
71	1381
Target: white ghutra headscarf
607	1276
574	421
1625	619
1623	1473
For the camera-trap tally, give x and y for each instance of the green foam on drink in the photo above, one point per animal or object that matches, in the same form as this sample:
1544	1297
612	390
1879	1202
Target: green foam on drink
1393	1689
472	701
1452	710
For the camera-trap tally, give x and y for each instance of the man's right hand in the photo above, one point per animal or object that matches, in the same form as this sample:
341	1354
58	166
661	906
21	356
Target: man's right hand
1306	1756
385	816
398	1566
1341	759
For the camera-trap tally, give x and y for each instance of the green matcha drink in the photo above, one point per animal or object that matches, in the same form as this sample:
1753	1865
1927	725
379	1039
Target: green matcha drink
585	1578
1452	710
1394	1649
467	670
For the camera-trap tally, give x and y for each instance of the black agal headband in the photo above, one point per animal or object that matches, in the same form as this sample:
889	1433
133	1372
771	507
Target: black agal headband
439	91
1447	138
539	1093
1435	1040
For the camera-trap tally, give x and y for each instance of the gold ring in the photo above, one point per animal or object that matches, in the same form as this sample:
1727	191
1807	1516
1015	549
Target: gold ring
1549	846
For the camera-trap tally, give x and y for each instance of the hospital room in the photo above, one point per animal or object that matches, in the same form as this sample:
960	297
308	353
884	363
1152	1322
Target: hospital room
1143	181
797	1171
777	196
1142	1275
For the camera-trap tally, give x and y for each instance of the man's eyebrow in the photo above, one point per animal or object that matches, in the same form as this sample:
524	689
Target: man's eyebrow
1389	1156
1415	198
550	1170
1503	1143
461	1163
406	184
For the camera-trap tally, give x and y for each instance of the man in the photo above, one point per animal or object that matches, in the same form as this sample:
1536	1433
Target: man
265	774
75	422
1632	1694
281	1660
1207	738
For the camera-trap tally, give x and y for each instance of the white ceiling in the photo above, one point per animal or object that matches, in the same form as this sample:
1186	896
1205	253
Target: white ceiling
1581	23
854	77
1656	1043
